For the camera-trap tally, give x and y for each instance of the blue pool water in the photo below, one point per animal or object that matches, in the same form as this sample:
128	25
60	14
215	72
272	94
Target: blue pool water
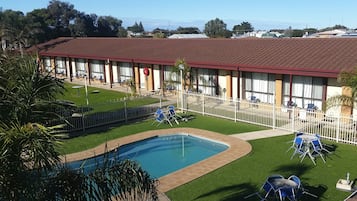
160	155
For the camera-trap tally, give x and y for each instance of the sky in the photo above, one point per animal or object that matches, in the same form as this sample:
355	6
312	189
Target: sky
170	14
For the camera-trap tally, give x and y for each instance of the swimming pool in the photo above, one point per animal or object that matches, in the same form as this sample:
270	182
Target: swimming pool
160	155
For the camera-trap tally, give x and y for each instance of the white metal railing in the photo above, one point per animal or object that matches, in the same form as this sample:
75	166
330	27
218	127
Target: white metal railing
332	127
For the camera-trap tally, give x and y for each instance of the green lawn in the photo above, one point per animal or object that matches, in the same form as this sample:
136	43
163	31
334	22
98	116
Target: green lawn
100	99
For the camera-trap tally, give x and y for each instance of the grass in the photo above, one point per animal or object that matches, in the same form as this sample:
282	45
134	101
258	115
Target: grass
100	99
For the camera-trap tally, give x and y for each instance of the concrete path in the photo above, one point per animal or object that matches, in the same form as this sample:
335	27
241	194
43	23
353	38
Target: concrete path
262	134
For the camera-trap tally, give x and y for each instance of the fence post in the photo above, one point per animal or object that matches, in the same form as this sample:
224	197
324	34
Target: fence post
83	126
203	104
293	119
274	115
125	111
338	128
235	110
160	100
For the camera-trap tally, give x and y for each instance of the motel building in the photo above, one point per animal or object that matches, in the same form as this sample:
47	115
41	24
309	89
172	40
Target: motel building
293	70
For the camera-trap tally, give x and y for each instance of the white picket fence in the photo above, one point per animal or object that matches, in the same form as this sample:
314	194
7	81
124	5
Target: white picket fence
332	127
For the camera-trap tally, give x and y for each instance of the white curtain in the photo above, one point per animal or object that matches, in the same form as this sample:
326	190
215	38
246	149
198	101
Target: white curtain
47	64
60	66
97	70
80	67
125	71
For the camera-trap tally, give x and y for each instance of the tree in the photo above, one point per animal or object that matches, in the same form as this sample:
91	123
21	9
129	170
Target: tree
348	79
14	31
244	27
84	25
61	15
216	29
38	26
27	94
29	156
108	26
137	28
185	72
122	32
188	30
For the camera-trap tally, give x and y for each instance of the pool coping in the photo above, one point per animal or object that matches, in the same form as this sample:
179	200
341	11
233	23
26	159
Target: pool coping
237	148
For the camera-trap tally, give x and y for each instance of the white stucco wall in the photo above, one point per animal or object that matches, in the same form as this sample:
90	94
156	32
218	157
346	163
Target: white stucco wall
222	83
115	72
333	89
156	73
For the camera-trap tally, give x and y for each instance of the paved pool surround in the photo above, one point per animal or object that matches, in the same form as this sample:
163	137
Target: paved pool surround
237	148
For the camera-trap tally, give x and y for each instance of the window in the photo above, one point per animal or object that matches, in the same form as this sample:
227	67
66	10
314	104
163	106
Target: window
60	66
125	71
305	90
171	78
97	69
80	68
260	85
47	64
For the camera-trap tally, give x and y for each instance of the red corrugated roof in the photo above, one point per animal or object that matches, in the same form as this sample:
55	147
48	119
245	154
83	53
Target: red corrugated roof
324	57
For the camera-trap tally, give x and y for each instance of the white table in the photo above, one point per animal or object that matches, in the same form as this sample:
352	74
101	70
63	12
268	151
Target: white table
77	87
283	183
307	139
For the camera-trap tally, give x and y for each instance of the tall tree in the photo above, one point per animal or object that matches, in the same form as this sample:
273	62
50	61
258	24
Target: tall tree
188	30
61	15
108	26
84	25
216	29
38	26
13	30
137	28
244	27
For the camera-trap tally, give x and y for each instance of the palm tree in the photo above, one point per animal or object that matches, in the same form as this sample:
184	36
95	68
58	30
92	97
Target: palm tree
185	72
27	94
27	151
348	79
29	156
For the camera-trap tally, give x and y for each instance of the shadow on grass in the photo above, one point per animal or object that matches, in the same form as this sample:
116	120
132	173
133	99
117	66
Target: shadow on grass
234	192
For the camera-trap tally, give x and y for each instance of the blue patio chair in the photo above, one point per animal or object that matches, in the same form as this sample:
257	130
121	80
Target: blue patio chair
160	117
172	115
296	143
300	148
311	107
300	189
268	190
253	100
287	193
322	145
317	148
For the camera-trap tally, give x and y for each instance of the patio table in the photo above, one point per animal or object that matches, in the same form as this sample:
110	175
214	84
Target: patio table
279	183
77	87
307	139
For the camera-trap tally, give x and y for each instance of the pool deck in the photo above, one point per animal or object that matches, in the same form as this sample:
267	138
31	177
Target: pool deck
237	148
